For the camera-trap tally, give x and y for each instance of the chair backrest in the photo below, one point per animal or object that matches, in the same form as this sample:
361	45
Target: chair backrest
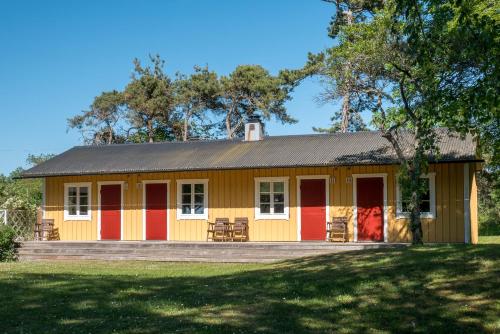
221	221
241	221
48	222
339	220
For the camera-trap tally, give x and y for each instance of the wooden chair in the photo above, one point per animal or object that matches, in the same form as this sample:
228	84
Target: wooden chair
210	231
336	229
240	229
221	230
43	229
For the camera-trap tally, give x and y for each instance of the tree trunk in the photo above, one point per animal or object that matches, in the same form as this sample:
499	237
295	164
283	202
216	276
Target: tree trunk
346	100
150	131
228	126
346	106
185	131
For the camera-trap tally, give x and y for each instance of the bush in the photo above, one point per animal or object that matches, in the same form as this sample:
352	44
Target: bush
7	244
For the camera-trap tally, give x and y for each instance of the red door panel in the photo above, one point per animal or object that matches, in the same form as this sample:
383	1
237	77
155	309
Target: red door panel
313	209
156	211
111	197
370	205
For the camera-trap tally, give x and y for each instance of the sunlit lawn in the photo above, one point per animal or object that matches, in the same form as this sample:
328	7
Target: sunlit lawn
490	239
443	289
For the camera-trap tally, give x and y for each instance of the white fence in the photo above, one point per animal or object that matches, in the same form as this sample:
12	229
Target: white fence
22	221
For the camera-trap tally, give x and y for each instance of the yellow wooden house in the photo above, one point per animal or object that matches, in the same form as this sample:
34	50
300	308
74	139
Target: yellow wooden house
287	186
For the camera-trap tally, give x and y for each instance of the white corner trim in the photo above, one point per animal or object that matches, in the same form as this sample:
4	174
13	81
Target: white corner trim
299	204
355	178
432	190
99	184
67	217
143	189
467	232
193	216
282	216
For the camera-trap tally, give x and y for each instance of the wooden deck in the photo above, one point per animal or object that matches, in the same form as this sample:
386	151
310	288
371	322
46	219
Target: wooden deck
185	251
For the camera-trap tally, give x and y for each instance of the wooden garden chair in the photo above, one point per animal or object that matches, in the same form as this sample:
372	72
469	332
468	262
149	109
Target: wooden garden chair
240	229
336	230
221	230
44	229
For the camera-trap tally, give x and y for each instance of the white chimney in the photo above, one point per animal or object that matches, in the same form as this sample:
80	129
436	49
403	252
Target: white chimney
254	129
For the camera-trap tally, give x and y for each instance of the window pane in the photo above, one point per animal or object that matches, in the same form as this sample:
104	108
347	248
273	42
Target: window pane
186	189
84	200
198	209
186	209
279	208
279	198
186	199
278	187
404	207
199	188
265	187
265	198
199	199
84	191
425	206
72	191
426	196
72	210
72	200
84	210
265	208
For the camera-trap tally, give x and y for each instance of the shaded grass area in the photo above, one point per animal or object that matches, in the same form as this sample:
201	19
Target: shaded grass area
452	289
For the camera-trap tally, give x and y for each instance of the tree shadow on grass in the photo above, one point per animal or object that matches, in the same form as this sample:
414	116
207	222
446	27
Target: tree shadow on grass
441	289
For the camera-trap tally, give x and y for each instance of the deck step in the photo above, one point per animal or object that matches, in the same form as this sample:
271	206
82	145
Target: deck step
184	251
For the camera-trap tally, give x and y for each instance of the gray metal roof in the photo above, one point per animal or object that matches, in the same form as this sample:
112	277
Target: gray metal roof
276	151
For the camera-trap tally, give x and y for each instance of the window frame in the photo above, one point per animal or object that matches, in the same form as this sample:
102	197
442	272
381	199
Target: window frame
78	216
432	199
286	194
199	216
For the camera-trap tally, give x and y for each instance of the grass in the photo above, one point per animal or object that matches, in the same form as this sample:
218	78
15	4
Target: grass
438	289
490	239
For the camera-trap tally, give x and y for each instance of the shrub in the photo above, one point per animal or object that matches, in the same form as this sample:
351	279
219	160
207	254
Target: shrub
7	243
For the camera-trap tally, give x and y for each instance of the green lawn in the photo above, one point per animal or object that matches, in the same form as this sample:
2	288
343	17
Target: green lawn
442	289
490	239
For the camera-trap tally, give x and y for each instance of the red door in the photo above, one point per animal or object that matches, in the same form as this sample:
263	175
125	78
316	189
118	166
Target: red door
111	198
370	198
313	209
156	211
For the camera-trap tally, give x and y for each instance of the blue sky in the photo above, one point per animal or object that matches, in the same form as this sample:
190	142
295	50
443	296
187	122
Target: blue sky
57	55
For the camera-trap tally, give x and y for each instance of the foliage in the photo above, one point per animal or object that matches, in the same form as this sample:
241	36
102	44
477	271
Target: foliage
455	290
149	98
99	124
418	65
7	243
154	107
249	91
195	95
489	202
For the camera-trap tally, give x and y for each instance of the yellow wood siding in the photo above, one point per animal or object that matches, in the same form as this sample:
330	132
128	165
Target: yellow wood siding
231	193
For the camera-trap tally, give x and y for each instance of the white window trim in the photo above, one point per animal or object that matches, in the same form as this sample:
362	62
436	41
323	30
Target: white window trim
202	216
144	182
280	216
299	200
432	190
67	216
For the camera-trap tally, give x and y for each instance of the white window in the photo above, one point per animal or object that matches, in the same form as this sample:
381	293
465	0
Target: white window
427	202
271	198
77	201
192	199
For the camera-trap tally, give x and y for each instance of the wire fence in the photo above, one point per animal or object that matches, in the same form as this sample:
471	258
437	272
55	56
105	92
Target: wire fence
21	221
